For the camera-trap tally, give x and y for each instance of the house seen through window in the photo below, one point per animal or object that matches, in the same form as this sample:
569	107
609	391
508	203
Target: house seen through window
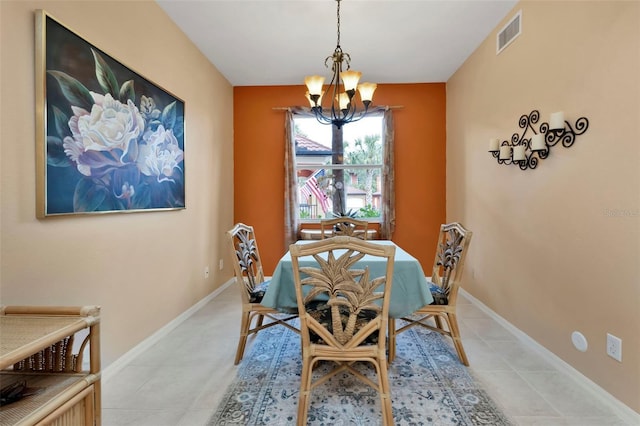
339	171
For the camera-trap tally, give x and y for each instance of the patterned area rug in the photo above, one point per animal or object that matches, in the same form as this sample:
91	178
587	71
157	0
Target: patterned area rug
429	386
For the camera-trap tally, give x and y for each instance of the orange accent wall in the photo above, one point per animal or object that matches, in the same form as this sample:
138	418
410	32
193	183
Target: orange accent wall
420	135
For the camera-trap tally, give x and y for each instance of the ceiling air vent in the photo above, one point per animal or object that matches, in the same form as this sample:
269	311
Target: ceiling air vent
509	32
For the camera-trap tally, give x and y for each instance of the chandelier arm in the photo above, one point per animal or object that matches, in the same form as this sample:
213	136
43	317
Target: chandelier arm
358	117
335	83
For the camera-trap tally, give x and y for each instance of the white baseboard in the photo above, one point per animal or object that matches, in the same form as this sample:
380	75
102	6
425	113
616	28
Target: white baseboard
621	409
116	366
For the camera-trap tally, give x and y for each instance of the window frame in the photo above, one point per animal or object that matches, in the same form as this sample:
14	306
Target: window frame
302	165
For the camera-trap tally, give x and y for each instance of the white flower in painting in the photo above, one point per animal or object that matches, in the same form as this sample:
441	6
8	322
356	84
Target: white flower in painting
102	137
148	108
161	155
127	191
110	125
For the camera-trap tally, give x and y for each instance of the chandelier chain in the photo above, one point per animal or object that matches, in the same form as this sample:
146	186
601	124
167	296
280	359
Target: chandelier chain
338	20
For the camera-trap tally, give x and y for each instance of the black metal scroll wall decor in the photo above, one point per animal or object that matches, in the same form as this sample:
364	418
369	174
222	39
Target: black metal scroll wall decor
525	151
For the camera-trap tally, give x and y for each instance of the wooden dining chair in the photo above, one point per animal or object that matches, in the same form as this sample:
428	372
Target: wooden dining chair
451	250
343	314
250	278
343	226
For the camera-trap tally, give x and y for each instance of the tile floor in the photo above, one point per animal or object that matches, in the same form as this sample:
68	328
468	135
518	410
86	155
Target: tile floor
180	380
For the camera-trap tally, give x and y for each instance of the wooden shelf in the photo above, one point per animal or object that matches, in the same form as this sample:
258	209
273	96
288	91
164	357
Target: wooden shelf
64	393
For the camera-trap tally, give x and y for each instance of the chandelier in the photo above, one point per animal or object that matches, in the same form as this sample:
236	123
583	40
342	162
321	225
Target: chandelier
343	109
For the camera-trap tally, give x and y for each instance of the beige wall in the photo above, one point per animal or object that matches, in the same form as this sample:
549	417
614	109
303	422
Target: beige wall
556	249
144	269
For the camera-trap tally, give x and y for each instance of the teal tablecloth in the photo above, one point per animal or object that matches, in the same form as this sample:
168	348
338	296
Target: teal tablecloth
408	293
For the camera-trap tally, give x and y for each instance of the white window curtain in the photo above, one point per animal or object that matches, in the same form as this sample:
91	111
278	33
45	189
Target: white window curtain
291	221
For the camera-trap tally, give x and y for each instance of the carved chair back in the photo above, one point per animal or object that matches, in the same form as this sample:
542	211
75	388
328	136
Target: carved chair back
356	305
246	259
346	226
453	243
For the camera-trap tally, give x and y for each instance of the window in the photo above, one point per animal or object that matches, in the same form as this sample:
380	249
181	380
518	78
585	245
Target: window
339	171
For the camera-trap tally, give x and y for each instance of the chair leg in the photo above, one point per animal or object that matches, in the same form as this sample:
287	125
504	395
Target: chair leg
392	339
438	321
244	332
260	320
305	390
385	392
455	335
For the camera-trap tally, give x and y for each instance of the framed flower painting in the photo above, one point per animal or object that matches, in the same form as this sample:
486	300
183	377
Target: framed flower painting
108	140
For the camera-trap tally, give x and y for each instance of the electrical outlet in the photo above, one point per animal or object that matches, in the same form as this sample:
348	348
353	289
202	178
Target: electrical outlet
206	272
614	347
221	264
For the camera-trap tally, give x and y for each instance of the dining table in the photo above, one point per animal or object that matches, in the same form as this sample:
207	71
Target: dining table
409	289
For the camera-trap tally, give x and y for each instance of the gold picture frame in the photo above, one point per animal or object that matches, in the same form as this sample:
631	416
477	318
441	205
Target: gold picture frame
107	139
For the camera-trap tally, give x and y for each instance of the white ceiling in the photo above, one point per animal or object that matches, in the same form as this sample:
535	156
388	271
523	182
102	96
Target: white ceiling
277	42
